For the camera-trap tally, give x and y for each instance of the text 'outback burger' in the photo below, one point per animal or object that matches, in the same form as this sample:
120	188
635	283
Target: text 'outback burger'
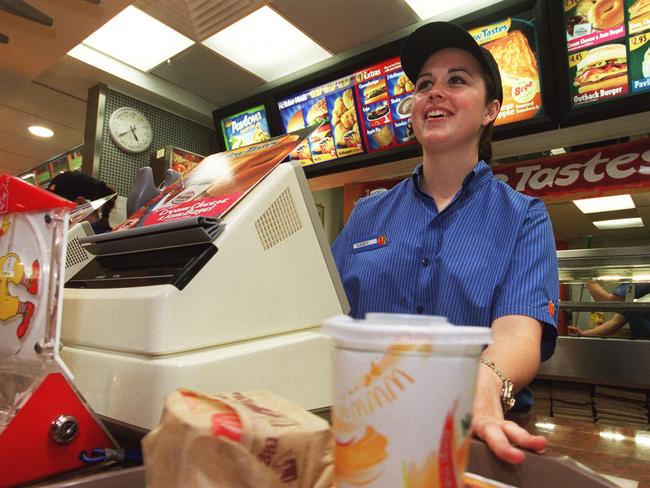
603	67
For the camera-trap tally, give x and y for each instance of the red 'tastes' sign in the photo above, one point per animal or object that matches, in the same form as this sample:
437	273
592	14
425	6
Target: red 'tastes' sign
595	172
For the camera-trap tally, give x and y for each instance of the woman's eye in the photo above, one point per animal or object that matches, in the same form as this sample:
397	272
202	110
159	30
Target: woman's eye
423	85
456	80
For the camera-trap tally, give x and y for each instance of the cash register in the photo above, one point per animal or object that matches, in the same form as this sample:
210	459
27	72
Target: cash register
229	303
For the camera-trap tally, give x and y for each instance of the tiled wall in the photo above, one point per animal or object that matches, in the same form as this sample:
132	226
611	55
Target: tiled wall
118	168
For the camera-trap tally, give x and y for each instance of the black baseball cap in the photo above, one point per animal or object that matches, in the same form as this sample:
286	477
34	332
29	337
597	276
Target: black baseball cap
426	40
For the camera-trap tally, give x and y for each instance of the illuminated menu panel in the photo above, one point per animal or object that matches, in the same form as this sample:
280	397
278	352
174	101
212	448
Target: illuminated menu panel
331	105
513	44
385	95
608	49
244	128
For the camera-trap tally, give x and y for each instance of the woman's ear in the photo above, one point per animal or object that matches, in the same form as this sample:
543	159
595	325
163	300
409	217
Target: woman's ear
491	112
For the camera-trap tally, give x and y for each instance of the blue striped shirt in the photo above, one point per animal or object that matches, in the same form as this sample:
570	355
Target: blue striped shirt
489	253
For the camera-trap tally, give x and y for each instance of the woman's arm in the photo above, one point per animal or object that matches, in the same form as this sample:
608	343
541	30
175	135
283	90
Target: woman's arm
604	329
599	294
516	352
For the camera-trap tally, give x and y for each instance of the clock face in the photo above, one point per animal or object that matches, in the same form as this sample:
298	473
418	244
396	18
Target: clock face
130	130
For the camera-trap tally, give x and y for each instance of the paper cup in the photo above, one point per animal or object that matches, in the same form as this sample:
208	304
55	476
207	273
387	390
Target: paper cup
403	397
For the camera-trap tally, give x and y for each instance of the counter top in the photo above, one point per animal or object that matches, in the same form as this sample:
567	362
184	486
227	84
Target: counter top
618	451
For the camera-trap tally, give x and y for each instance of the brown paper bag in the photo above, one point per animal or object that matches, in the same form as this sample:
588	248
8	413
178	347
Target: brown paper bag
252	439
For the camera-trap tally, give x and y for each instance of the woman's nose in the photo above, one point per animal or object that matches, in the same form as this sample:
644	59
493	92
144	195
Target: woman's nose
436	91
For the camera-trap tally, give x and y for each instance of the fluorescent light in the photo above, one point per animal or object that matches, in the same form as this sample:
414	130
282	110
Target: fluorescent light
558	150
612	436
619	223
604	204
426	9
267	45
137	39
610	278
642	278
642	439
40	131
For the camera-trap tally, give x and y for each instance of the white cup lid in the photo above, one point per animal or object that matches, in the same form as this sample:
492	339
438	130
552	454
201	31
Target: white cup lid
385	329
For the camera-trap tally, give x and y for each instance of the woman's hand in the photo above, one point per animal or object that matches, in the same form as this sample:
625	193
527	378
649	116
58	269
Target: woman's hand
502	436
576	330
515	351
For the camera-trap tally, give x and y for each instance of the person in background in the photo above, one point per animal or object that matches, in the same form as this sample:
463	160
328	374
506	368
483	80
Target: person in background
82	188
639	321
452	240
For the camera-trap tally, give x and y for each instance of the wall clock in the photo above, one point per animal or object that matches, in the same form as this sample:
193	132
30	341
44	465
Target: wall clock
130	130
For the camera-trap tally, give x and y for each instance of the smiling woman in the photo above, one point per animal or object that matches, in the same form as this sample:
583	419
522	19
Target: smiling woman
458	242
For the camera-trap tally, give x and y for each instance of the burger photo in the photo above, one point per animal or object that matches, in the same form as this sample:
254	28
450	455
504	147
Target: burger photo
602	67
318	113
375	92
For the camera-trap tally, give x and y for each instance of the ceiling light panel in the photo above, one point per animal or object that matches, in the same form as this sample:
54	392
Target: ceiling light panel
604	204
137	39
619	223
267	45
40	131
426	9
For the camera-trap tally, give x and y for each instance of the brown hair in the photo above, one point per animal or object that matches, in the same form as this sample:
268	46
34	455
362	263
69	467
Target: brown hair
485	139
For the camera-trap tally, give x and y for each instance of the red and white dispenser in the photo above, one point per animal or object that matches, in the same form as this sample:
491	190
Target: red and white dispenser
44	423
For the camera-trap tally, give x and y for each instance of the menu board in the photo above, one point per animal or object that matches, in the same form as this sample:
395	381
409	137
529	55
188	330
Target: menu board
608	45
184	161
42	175
385	95
513	44
332	106
244	128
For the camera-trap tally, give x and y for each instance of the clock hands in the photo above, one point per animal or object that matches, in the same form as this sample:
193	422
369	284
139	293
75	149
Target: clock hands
132	130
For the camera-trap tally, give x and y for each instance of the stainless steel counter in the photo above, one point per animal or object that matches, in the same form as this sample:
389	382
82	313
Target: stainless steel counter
604	361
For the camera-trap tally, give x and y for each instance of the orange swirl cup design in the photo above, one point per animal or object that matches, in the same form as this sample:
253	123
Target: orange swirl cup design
358	461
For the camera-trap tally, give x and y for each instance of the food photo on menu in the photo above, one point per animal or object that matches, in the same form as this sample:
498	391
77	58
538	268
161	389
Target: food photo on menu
331	107
639	45
385	96
638	12
512	43
589	23
599	73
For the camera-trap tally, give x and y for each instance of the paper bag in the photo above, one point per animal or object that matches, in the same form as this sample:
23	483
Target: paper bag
252	439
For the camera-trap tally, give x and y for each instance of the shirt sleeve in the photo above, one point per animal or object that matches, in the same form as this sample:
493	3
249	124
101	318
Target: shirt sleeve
531	286
621	290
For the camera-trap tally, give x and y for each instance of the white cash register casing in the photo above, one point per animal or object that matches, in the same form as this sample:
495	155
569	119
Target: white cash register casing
247	319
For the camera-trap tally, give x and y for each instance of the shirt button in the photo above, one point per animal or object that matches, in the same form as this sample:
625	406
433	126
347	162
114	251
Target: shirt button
419	309
425	262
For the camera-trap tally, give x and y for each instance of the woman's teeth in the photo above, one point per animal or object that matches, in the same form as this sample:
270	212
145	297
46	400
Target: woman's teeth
436	113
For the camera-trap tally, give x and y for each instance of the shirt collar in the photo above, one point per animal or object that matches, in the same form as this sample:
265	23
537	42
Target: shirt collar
475	178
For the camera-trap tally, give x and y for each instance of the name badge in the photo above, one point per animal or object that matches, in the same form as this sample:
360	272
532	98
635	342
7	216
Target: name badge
370	244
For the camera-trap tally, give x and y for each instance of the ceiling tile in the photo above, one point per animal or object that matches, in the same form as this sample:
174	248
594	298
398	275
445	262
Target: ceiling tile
207	74
198	19
339	25
49	105
15	164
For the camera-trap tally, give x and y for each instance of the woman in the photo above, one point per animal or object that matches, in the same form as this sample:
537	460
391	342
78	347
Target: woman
452	240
